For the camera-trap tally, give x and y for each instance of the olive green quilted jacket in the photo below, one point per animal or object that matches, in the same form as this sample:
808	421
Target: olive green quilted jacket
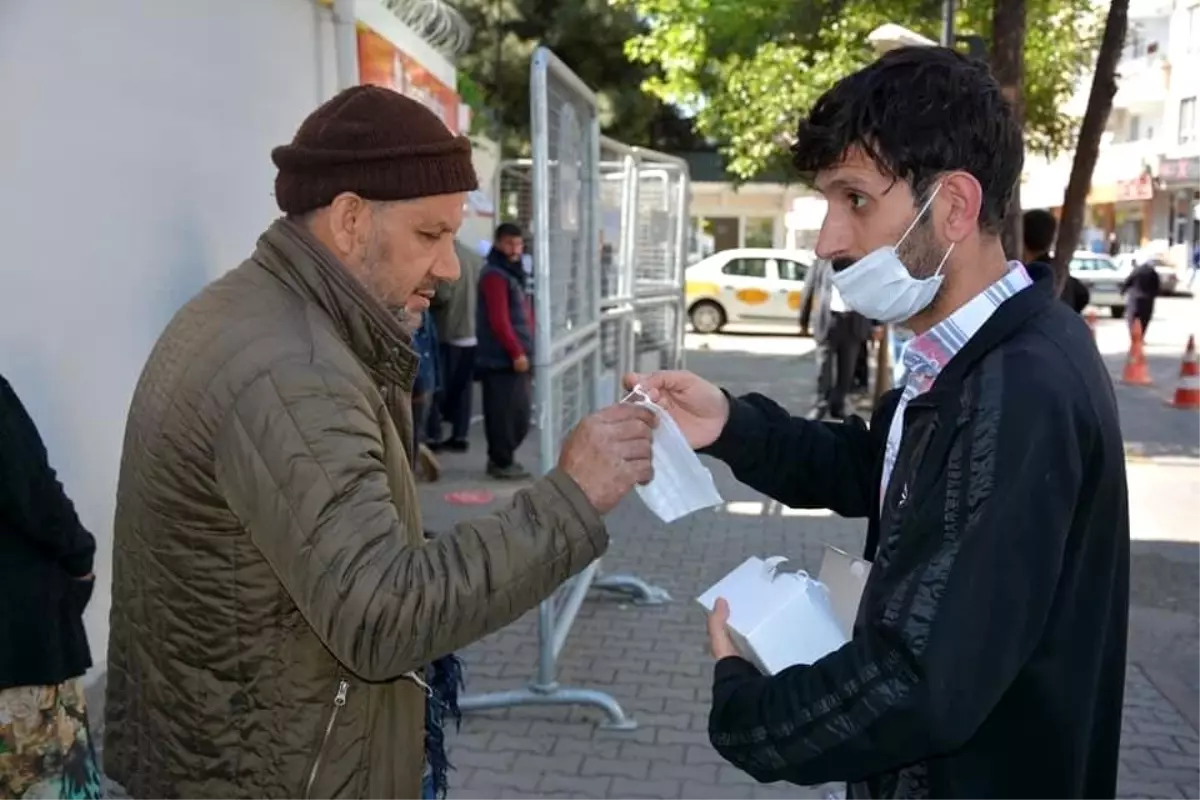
272	585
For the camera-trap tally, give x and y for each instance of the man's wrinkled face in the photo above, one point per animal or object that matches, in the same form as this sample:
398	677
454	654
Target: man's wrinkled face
400	251
511	246
868	209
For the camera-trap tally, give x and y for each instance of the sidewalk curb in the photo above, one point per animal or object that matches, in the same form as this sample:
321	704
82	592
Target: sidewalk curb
1133	457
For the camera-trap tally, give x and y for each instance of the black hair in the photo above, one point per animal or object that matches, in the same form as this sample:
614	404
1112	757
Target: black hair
506	230
918	112
1038	227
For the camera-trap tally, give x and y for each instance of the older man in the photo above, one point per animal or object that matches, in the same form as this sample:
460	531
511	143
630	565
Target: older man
274	598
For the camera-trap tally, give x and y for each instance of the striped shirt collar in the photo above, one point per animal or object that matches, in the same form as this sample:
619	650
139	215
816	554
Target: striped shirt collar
927	354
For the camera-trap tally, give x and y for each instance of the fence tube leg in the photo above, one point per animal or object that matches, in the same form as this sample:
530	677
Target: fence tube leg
545	681
566	617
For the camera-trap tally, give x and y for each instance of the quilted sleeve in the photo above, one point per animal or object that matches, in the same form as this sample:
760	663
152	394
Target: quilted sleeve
300	461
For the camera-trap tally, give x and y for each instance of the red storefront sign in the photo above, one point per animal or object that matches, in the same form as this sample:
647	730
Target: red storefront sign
1184	171
382	64
1137	189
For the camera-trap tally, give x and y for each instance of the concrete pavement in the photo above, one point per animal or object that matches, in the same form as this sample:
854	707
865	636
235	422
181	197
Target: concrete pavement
653	659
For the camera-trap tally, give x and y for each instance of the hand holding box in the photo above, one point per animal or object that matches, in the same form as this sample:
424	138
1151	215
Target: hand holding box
777	618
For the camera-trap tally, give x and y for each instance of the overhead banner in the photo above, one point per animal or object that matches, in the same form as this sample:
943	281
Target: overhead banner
381	63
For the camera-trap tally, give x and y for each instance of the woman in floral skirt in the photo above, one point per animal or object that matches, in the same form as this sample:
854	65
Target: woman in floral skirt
45	583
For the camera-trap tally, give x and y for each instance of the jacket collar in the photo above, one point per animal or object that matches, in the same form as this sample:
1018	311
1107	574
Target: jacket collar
304	265
1005	322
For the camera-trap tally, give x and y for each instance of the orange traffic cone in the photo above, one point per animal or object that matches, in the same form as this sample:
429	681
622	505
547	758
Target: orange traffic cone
1187	391
1136	373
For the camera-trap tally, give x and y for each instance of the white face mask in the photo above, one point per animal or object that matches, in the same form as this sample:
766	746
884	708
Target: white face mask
681	484
880	287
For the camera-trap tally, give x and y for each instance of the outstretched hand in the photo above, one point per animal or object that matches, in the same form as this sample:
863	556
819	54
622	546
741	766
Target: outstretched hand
698	407
610	452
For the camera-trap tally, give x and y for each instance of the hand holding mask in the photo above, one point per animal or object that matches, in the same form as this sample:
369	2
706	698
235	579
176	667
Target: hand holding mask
681	484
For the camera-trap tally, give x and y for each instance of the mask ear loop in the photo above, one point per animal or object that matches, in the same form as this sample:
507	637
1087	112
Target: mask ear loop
635	394
942	263
920	215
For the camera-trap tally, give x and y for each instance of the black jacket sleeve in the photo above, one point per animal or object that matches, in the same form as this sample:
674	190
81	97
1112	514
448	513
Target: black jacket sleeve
947	631
33	504
799	462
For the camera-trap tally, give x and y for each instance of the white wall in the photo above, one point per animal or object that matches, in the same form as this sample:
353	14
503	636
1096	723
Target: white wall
478	227
135	166
1185	62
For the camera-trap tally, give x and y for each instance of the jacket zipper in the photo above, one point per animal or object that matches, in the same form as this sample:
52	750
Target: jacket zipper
339	700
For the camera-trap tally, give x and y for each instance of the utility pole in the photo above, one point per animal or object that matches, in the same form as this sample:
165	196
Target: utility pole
947	23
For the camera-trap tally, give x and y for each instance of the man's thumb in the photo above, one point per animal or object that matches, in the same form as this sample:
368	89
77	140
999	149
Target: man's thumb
721	610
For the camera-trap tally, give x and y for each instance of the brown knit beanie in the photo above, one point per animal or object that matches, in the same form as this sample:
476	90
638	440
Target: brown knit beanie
376	143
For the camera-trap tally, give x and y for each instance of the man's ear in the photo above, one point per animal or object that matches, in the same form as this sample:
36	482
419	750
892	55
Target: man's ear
348	221
961	198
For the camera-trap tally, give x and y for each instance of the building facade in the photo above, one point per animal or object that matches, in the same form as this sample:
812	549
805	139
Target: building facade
1146	184
768	211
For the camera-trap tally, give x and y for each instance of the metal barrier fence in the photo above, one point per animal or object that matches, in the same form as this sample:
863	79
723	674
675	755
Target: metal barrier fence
608	298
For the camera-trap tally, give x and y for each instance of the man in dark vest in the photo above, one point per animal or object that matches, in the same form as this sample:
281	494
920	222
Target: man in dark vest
504	329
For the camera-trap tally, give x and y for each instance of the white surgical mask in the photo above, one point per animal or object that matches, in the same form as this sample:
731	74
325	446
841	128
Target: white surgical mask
880	287
681	484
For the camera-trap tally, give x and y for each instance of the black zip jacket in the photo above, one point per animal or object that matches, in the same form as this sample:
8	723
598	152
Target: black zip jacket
988	657
44	553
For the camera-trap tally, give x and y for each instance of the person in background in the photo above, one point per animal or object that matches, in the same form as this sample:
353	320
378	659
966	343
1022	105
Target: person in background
1140	289
424	393
1193	263
1114	244
46	748
988	654
444	675
276	601
1038	228
504	327
840	334
453	310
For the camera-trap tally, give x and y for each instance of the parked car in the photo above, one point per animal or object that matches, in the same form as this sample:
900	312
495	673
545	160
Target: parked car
1103	278
746	286
1168	275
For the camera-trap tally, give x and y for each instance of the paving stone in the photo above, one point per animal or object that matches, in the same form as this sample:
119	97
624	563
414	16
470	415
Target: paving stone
653	660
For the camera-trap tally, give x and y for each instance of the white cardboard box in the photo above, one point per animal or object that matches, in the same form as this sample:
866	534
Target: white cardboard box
780	617
846	577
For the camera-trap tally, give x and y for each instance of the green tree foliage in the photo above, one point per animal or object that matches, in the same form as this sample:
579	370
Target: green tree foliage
749	67
589	36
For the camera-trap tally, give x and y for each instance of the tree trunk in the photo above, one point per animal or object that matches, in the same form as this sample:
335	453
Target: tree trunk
1008	65
1087	150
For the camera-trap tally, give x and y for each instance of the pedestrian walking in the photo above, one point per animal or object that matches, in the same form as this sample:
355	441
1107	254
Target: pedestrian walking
453	309
504	325
276	604
1140	289
46	581
988	655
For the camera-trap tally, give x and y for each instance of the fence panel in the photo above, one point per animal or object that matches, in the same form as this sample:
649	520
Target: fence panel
608	298
662	208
